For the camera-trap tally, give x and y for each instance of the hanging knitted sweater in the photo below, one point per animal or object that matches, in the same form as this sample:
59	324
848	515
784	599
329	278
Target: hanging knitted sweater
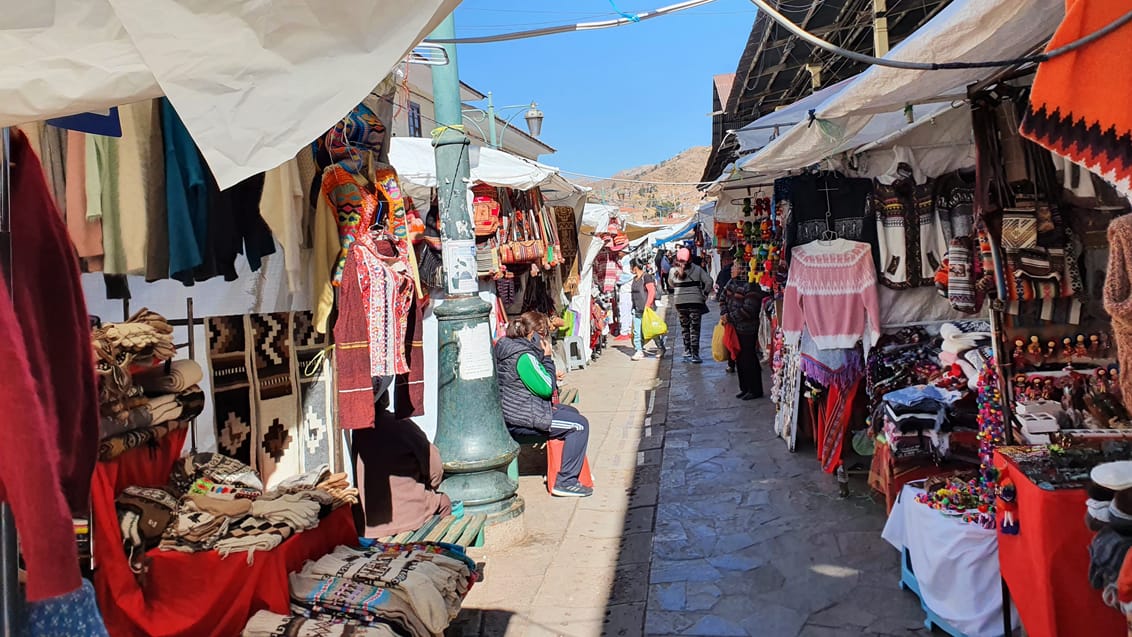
831	291
1079	104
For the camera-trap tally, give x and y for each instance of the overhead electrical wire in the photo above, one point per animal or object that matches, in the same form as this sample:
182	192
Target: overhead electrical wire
799	32
572	28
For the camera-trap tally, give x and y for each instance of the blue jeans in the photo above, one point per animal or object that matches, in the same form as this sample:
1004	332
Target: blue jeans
638	334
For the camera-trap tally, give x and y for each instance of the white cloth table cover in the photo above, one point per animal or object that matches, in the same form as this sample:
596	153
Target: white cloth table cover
955	563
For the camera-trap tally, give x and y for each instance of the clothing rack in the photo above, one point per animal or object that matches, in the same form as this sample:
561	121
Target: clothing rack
9	555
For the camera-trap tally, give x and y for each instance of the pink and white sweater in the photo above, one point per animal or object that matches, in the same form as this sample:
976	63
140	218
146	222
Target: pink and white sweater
832	292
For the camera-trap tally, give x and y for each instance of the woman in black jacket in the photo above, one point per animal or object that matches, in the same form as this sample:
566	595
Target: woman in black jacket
525	366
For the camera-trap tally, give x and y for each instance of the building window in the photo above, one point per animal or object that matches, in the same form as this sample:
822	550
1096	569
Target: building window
415	120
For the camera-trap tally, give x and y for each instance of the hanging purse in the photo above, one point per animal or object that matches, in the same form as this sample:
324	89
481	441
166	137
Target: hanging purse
485	213
519	248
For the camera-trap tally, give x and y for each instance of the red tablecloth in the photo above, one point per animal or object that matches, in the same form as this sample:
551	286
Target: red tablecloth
191	594
1046	565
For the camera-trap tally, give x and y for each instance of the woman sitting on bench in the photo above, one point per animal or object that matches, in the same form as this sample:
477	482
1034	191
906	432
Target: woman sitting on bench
527	382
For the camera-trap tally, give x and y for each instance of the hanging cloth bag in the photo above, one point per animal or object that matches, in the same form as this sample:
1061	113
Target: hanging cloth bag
520	247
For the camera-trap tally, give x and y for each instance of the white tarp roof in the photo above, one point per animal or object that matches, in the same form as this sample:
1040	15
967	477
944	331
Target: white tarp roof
967	30
254	82
415	161
758	133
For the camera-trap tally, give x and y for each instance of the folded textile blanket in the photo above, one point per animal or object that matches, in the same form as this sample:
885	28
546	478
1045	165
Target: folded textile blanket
182	375
220	505
130	420
292	509
268	624
426	587
342	597
251	534
110	448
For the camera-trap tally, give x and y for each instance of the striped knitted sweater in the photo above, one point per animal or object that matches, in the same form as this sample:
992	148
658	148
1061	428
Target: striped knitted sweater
831	292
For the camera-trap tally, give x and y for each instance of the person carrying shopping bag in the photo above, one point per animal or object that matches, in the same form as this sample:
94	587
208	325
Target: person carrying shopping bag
740	303
644	298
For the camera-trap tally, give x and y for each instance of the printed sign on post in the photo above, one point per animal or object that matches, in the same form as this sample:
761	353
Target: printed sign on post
460	266
475	352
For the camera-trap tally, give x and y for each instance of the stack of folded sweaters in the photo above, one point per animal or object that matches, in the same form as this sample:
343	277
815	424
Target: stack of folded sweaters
409	589
144	394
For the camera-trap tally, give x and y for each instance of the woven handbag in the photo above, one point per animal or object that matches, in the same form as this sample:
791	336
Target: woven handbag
523	245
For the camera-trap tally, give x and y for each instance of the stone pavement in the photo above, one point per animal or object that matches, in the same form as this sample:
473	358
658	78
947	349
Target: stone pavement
752	539
583	566
702	523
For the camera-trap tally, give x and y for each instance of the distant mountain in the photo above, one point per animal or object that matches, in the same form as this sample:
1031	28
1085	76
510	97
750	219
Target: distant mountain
653	202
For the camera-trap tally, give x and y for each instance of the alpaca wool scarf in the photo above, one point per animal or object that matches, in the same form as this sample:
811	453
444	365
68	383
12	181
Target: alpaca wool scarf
1079	104
1118	295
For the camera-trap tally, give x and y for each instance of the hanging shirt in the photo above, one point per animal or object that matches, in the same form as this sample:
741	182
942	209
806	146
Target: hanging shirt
141	189
282	209
102	199
186	197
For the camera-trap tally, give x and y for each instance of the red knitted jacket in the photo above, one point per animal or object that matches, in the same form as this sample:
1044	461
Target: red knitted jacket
49	427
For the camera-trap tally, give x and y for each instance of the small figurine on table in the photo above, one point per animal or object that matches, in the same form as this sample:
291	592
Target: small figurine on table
1018	355
1080	350
1051	350
1094	346
1067	349
1034	349
1105	345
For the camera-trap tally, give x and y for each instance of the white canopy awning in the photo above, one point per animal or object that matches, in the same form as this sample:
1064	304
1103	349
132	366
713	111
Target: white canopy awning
254	82
758	133
415	161
967	30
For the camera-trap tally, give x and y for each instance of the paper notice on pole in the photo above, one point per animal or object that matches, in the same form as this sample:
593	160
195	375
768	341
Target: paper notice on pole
460	266
475	352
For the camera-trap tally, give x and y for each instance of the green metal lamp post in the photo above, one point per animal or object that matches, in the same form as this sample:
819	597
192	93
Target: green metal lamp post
470	434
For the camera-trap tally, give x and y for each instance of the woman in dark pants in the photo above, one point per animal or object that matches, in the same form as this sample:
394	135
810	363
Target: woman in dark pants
739	305
525	365
691	285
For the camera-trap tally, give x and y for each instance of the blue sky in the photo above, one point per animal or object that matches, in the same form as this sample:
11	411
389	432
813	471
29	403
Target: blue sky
615	98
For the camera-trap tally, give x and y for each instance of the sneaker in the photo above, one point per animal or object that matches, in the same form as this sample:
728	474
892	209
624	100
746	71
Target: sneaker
576	490
740	395
638	355
661	352
687	357
696	360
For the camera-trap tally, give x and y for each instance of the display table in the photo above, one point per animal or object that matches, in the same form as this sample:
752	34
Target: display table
955	565
1046	565
888	476
191	594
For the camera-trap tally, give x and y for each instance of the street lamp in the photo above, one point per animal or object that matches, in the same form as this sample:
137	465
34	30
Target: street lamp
493	137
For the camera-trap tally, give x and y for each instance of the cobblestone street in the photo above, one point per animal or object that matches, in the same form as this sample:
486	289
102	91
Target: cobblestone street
702	523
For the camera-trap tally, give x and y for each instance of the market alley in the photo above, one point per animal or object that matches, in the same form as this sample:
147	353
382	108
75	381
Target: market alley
746	538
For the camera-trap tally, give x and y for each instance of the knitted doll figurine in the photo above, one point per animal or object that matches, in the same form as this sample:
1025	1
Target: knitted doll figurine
1008	502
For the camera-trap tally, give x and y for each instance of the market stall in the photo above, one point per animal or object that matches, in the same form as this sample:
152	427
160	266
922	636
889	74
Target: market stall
261	491
941	389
